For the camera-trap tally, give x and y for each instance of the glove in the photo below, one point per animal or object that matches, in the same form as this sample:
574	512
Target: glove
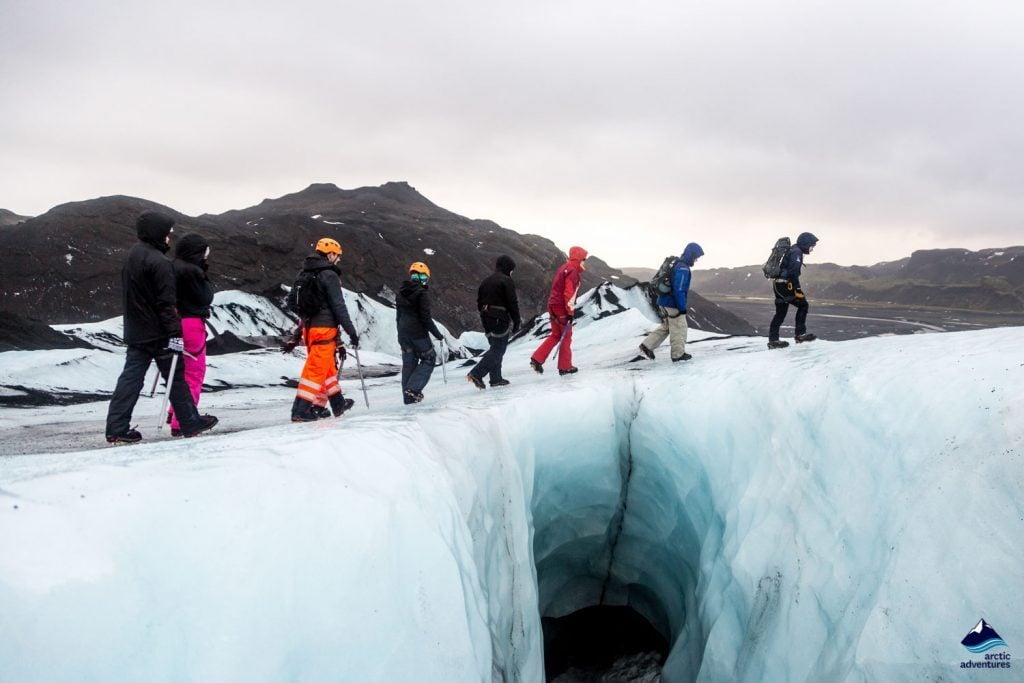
289	345
800	295
342	353
176	345
354	342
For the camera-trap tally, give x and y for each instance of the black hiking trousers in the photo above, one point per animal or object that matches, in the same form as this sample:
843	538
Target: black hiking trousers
783	298
129	384
490	362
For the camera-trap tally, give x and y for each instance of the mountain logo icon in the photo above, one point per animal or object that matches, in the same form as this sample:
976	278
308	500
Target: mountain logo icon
982	638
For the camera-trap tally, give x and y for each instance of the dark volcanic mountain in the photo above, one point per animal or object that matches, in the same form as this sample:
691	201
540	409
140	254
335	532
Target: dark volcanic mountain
64	265
986	280
11	218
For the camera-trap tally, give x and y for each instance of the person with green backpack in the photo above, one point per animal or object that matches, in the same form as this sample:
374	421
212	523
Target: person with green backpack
672	283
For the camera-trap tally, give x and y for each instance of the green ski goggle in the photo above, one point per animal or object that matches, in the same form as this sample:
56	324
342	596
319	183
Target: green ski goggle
419	277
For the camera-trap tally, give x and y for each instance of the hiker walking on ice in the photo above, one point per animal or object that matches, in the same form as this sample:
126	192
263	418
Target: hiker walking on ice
195	295
787	291
673	309
152	332
499	313
561	308
412	306
319	301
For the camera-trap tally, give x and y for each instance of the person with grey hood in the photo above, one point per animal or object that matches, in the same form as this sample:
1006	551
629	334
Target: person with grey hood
152	332
499	313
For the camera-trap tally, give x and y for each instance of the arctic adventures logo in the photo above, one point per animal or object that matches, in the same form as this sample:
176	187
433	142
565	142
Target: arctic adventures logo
979	640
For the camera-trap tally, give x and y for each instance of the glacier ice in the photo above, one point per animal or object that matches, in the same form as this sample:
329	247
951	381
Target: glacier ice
838	512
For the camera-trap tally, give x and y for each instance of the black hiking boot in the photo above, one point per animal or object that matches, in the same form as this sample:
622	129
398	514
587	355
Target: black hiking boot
500	383
339	404
776	344
808	337
321	412
647	352
475	381
685	356
131	436
537	367
302	411
206	422
410	396
176	432
571	371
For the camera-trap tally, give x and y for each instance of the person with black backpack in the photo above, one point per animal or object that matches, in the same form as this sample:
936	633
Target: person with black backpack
317	298
152	332
414	323
499	313
786	288
672	283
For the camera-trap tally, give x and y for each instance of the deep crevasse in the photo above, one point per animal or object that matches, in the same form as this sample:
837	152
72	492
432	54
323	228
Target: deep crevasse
844	512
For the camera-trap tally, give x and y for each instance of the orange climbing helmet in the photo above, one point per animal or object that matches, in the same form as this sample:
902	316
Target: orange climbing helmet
419	267
328	246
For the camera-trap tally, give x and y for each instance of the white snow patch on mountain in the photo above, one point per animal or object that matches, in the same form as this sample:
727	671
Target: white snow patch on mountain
429	252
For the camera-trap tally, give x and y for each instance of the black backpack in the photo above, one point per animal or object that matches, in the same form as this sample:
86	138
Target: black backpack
662	280
307	295
773	266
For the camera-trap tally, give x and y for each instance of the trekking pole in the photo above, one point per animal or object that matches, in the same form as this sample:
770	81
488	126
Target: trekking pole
359	367
162	415
444	358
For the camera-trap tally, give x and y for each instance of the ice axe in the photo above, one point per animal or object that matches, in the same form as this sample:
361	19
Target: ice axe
444	358
362	383
162	415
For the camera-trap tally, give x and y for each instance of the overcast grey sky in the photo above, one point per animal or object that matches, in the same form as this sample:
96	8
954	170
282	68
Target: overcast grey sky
630	128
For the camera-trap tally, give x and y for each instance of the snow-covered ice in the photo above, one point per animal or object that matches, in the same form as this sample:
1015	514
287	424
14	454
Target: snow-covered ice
833	512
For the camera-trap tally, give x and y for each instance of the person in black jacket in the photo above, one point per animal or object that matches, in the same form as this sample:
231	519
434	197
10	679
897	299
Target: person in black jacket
152	331
321	332
787	291
499	312
194	298
414	323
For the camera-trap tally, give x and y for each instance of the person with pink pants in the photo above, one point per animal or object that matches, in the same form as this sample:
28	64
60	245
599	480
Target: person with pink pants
195	294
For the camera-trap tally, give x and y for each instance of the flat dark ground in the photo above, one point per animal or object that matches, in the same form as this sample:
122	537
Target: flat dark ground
842	320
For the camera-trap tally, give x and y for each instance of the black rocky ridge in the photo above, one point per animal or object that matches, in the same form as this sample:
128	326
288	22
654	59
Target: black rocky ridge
64	265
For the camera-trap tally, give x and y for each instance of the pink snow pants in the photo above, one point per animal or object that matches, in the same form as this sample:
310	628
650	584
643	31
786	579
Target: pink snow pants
193	333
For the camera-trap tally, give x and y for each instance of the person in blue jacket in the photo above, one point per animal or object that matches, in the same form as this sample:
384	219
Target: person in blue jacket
672	307
787	291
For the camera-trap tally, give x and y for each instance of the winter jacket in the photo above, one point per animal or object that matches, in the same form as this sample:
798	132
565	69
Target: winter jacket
413	312
148	285
193	285
681	278
566	284
793	261
333	312
496	298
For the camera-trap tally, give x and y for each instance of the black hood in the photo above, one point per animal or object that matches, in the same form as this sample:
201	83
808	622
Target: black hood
410	289
153	228
505	265
318	262
191	249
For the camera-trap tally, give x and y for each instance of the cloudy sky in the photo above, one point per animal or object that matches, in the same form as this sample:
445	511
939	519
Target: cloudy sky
630	128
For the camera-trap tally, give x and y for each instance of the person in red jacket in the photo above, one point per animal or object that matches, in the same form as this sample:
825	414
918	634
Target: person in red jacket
561	308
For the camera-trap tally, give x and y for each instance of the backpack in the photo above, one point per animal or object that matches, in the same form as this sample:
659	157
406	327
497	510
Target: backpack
662	280
307	296
773	266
